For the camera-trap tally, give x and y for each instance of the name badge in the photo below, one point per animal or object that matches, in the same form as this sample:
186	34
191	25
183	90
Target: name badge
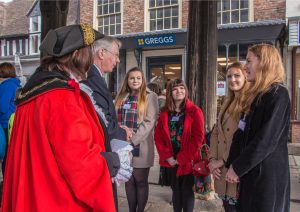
242	124
175	118
126	106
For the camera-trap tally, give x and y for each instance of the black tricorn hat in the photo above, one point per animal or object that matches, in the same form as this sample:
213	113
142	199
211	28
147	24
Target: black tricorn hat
67	39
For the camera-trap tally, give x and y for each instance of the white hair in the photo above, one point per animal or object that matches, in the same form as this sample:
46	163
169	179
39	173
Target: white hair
105	43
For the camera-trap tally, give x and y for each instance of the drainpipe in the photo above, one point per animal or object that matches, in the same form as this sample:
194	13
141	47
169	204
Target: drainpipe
294	97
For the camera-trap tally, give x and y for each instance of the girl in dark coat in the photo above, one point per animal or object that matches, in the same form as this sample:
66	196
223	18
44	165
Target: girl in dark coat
258	156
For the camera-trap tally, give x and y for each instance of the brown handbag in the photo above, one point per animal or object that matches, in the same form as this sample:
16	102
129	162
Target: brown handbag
201	168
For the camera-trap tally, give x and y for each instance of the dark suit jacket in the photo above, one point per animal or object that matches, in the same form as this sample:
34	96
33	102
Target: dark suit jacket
104	100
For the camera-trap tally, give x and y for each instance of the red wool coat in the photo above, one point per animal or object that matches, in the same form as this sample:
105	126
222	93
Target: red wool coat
54	161
192	139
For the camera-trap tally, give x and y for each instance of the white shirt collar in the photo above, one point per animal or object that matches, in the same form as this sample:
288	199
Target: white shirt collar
102	74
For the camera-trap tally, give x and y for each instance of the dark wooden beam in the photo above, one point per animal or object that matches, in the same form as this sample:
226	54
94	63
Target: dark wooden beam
54	14
202	57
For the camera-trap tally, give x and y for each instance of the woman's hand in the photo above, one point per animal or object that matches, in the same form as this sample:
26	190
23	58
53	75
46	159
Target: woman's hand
129	132
172	161
215	164
216	173
231	176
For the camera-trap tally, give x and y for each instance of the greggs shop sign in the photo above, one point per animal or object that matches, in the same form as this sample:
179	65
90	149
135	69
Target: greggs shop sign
160	40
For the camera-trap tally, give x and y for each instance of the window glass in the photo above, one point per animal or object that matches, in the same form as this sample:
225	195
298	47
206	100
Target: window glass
163	14
233	11
109	16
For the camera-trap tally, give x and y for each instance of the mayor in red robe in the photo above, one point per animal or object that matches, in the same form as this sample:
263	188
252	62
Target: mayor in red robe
54	161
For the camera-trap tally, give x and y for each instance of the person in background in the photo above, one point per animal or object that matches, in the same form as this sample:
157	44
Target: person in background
221	137
8	88
258	157
178	137
56	146
156	89
137	109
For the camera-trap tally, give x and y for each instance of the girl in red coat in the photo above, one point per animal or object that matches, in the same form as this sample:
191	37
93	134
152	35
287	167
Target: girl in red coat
178	136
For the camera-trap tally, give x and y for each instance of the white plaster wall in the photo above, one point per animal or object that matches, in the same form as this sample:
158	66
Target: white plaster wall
292	8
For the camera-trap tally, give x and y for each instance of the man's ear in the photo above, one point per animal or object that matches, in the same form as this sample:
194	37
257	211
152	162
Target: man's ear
100	53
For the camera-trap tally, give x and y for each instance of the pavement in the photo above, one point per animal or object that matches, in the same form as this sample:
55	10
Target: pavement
160	197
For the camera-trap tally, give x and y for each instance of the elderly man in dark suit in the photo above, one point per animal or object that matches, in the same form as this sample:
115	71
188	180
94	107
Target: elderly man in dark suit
106	58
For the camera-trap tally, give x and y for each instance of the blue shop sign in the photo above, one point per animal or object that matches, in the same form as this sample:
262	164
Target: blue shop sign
160	40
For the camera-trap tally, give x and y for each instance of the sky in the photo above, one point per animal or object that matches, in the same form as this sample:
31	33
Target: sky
5	0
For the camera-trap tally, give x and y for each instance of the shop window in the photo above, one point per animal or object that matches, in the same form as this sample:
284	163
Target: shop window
163	69
233	11
109	16
163	14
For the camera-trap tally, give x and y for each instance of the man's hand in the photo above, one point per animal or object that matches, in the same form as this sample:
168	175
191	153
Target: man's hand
231	176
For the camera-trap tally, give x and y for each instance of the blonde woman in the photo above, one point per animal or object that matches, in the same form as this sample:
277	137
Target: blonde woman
137	108
259	156
222	134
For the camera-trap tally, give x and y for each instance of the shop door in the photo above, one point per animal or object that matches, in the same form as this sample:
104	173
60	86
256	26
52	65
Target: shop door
162	69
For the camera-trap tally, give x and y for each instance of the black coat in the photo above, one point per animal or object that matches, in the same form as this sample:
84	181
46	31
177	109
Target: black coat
104	100
259	154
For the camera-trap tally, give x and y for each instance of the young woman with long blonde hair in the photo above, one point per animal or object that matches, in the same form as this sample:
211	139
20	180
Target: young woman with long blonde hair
137	109
259	156
223	131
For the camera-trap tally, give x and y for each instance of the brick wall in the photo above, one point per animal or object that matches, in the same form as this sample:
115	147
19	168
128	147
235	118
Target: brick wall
295	131
133	16
269	9
185	13
86	11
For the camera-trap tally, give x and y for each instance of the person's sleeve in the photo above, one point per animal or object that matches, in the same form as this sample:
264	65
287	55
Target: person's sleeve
78	155
234	151
213	151
6	96
163	146
266	139
188	151
148	124
112	161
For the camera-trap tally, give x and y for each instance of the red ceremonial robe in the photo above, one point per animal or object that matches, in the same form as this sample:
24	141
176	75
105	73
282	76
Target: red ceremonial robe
54	162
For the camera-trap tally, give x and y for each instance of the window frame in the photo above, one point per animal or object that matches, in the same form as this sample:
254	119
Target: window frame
230	10
97	17
147	16
34	50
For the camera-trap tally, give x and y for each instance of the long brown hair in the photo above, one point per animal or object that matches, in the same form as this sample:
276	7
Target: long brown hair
170	104
234	103
78	61
142	95
270	70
